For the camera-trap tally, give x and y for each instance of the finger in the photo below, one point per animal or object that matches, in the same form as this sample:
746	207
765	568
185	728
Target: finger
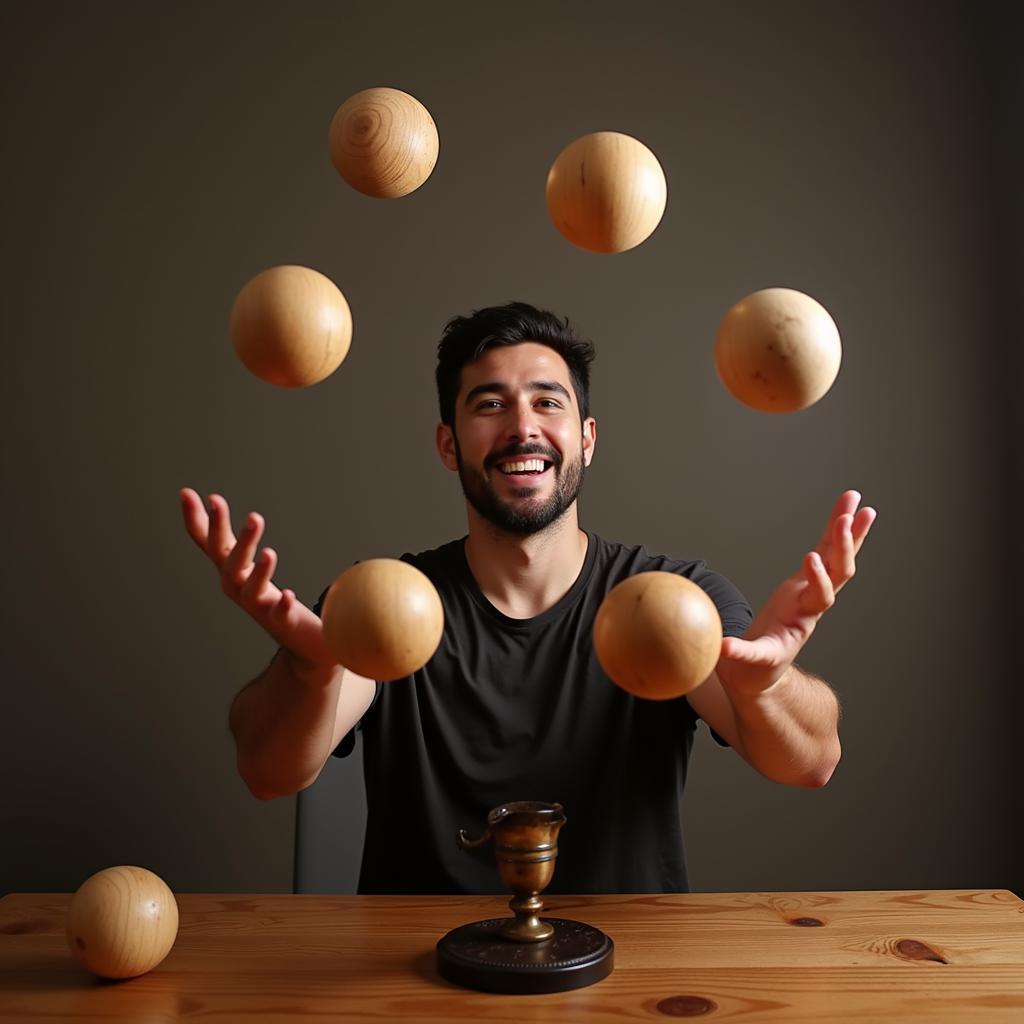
841	563
281	611
820	594
254	589
286	615
221	539
846	505
197	522
237	566
862	523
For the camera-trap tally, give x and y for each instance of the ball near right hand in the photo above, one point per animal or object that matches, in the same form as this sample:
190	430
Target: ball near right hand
657	635
778	350
383	619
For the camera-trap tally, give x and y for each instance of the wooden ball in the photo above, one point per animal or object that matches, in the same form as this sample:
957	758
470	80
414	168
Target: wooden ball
606	192
657	635
383	619
383	142
778	350
122	922
291	326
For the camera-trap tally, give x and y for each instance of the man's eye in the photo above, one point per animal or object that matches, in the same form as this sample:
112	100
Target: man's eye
489	403
550	403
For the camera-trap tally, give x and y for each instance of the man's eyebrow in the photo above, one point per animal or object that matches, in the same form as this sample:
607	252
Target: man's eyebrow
499	388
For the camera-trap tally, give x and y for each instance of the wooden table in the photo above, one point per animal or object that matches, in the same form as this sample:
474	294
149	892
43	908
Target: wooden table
955	956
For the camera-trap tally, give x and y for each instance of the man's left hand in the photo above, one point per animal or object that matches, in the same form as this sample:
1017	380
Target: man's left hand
750	665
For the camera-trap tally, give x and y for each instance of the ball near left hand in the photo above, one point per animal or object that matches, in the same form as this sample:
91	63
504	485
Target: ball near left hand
657	635
122	922
383	619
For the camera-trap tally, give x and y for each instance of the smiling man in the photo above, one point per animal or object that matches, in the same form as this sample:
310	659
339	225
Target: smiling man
537	482
513	705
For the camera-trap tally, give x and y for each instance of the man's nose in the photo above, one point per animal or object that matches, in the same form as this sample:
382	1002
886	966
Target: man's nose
523	422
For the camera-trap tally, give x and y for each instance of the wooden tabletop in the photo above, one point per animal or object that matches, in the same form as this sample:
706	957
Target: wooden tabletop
951	956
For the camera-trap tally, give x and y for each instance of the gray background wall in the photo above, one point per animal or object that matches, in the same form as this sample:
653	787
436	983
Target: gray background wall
157	156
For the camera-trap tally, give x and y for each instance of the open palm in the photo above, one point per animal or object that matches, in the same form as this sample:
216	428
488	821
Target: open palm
246	577
761	657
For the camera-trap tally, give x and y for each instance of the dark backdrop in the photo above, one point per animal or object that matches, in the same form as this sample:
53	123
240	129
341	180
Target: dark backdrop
157	156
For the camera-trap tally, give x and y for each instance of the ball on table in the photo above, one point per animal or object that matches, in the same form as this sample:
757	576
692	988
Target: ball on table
383	142
778	350
122	922
606	192
291	326
383	619
657	635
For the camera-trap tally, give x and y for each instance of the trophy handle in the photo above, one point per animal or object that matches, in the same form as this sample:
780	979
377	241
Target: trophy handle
470	844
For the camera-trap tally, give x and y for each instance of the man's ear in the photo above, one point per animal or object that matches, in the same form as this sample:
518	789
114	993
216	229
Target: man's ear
445	441
589	439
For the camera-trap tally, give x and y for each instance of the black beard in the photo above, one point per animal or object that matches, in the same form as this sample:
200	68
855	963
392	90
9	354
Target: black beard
528	518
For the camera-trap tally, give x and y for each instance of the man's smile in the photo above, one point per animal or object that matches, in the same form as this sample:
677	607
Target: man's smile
523	465
522	470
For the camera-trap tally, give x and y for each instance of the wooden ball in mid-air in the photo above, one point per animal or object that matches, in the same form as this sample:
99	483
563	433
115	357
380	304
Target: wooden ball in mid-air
778	350
383	619
291	326
657	635
606	192
122	922
383	142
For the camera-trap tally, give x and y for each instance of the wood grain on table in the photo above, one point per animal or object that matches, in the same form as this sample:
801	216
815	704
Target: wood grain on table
929	956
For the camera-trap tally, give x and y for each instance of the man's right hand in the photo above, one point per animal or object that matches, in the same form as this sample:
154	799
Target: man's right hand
245	576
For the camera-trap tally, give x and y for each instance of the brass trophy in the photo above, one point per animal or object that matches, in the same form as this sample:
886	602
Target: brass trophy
524	953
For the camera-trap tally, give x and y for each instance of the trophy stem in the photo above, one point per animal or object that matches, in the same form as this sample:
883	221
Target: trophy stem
527	925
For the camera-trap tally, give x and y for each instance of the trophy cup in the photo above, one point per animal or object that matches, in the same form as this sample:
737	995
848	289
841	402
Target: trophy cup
525	953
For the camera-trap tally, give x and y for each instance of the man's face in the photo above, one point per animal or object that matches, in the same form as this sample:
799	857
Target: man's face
518	443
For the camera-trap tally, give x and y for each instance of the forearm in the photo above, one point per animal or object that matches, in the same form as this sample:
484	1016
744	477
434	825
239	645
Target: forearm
283	722
789	732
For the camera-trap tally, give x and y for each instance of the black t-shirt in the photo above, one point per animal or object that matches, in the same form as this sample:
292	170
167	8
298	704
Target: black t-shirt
512	709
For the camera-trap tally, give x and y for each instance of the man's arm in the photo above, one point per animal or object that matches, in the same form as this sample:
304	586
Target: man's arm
287	721
782	720
788	733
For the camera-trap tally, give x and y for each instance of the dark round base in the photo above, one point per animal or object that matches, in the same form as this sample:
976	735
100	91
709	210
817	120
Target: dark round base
476	956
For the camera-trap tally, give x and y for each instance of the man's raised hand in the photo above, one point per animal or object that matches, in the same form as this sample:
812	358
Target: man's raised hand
787	621
246	577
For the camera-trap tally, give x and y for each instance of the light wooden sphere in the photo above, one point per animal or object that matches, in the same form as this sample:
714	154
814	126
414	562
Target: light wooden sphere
383	619
383	142
122	922
657	635
291	326
606	192
778	350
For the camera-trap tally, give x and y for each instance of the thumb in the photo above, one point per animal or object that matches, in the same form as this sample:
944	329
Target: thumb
762	651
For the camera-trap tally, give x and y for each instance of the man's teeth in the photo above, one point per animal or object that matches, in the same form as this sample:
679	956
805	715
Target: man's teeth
529	466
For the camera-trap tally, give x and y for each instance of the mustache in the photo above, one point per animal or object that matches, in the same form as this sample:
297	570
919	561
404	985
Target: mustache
523	450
